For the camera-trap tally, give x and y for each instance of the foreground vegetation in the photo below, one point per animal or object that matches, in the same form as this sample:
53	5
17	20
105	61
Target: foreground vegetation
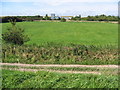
58	54
43	79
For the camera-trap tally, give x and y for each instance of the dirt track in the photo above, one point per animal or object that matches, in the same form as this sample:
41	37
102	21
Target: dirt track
21	68
58	71
57	65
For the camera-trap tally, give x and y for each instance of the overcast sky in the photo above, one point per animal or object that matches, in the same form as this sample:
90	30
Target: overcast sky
59	7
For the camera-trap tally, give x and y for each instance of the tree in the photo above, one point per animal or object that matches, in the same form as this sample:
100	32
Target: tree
46	17
63	20
79	17
38	16
14	34
73	18
7	18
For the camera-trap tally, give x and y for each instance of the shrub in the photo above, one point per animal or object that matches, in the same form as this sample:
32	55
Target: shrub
15	34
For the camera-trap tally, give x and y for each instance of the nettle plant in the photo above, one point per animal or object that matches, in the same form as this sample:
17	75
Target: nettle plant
14	34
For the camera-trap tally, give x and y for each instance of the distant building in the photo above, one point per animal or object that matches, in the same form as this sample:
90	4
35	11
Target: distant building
66	17
52	16
57	17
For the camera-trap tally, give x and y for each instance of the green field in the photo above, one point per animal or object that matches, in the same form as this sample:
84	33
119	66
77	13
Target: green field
100	40
43	79
87	33
88	43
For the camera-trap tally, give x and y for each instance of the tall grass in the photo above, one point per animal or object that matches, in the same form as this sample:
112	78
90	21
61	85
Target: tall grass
58	53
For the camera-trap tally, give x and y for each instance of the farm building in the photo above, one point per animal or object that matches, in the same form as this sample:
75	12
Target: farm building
66	17
57	17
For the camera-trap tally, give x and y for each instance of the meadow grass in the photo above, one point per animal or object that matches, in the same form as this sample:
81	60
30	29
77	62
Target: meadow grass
85	33
44	79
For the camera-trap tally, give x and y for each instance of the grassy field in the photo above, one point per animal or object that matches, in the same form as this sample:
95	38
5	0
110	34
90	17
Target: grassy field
87	43
44	79
58	43
87	33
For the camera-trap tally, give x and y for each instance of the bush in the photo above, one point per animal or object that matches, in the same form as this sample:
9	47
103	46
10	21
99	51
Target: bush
15	34
63	20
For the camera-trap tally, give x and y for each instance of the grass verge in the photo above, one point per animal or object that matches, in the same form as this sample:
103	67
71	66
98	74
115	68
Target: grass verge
43	79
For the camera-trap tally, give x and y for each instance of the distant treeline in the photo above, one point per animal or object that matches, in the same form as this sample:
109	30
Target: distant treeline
21	18
78	18
101	18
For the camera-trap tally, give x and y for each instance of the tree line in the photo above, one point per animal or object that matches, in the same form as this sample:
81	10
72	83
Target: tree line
76	18
101	18
21	18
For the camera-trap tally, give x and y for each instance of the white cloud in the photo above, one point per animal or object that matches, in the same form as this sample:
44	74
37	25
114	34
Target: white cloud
60	1
62	7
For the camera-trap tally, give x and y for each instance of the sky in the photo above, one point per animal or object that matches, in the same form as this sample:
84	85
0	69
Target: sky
59	7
